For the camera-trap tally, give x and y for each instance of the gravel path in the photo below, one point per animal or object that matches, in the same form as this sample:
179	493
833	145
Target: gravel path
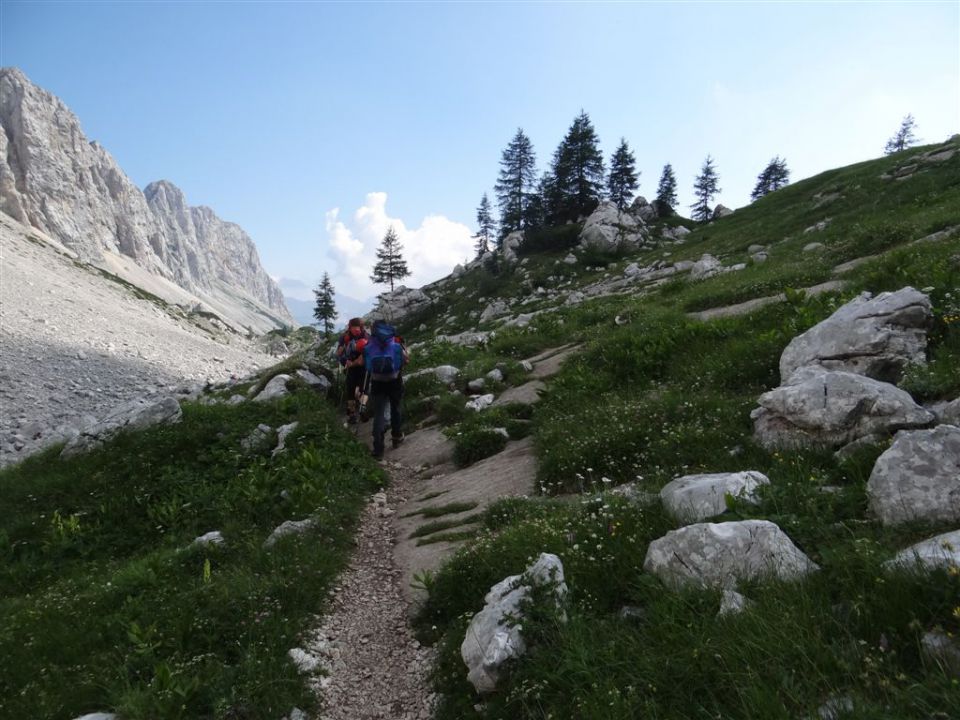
377	669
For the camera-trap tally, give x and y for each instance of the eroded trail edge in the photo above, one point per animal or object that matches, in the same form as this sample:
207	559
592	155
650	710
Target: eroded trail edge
375	667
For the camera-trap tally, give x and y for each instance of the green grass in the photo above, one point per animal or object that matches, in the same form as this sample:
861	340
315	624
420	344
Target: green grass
434	511
438	525
663	396
447	537
104	603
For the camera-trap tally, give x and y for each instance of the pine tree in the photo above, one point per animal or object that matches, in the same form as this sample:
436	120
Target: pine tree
705	187
325	310
666	199
390	265
774	176
622	180
485	226
514	187
904	137
577	169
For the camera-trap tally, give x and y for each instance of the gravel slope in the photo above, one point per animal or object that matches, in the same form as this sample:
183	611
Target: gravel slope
74	344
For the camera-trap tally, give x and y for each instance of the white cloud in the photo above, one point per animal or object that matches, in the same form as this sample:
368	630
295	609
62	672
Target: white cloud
431	250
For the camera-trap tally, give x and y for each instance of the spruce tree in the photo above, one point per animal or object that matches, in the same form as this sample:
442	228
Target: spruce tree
705	187
666	199
325	310
485	226
622	180
774	176
577	169
390	265
904	138
514	187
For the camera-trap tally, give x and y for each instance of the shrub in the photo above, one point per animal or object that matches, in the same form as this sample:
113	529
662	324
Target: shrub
477	444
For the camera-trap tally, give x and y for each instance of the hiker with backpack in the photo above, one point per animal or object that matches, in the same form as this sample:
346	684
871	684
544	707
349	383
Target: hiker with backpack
350	354
384	358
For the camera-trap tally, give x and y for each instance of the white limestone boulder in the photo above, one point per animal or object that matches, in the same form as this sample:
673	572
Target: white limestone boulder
399	304
873	336
497	308
819	407
275	389
706	266
135	415
720	555
608	229
941	551
495	634
510	246
918	477
694	497
290	527
480	402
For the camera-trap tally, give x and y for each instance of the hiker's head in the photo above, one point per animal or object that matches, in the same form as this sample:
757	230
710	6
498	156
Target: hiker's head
355	326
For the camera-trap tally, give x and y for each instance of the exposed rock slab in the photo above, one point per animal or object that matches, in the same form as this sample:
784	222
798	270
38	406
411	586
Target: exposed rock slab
135	415
720	555
526	394
425	447
827	408
918	477
873	336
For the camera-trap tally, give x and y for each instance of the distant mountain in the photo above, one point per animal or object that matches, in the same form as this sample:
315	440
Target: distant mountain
55	180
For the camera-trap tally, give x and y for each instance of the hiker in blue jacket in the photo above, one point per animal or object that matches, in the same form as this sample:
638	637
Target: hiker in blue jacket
384	358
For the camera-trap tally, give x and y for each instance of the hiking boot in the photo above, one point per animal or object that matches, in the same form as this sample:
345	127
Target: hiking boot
398	440
378	456
352	420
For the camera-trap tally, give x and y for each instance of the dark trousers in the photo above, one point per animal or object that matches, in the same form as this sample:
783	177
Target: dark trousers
355	376
382	393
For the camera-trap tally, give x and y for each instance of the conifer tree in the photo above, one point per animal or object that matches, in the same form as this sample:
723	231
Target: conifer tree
705	187
325	310
485	226
514	187
390	265
666	199
577	170
622	180
904	138
774	176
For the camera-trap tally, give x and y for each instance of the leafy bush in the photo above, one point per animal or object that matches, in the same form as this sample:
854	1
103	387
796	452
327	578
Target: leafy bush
473	445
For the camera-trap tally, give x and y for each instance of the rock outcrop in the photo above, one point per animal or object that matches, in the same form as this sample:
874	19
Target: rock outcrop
872	336
55	180
608	229
942	551
399	304
136	415
695	497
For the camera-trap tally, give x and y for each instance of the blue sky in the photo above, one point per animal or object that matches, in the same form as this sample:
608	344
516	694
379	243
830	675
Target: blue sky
315	125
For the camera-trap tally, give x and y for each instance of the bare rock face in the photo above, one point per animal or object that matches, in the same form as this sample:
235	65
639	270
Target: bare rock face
831	409
55	180
719	555
941	551
872	336
918	477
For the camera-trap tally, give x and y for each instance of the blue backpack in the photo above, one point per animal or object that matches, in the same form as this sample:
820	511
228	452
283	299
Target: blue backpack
384	354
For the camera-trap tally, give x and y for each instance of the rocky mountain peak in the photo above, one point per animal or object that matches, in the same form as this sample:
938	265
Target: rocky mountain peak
55	180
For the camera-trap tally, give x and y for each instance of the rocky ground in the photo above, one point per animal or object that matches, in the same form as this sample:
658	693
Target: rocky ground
74	344
376	668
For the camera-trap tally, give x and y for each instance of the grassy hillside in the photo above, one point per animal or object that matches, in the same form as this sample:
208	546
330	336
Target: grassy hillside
105	603
664	395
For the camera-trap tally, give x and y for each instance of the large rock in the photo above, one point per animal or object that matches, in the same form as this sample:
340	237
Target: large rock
872	336
497	308
818	407
276	388
468	338
706	266
720	555
608	229
721	211
136	415
695	497
290	527
942	551
510	246
54	179
447	374
495	634
643	210
918	477
399	304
